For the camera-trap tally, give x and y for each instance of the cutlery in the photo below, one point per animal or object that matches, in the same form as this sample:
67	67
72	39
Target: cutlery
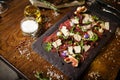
108	8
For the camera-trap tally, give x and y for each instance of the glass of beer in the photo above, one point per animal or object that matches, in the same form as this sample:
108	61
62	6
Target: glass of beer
29	26
33	11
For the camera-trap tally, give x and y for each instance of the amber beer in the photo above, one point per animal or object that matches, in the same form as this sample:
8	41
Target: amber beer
33	11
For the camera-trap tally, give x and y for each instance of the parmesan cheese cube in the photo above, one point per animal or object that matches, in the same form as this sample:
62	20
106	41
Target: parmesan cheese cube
77	37
87	27
70	50
86	47
87	18
90	33
101	30
77	49
102	25
54	44
65	31
71	23
57	43
59	33
107	25
75	20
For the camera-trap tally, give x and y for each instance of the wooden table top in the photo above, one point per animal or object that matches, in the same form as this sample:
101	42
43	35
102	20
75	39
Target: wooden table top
16	48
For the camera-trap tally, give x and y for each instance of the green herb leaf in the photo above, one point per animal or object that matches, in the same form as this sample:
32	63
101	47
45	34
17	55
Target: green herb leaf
82	44
78	57
79	26
96	28
48	46
94	38
95	18
70	42
39	76
72	29
84	30
64	37
88	22
51	6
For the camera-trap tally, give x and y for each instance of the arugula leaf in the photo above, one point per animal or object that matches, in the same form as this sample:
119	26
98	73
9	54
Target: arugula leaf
48	46
96	28
72	29
78	57
88	22
79	26
64	37
51	6
39	76
95	18
94	38
70	42
82	44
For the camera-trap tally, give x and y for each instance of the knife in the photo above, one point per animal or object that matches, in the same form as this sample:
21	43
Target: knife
104	4
108	8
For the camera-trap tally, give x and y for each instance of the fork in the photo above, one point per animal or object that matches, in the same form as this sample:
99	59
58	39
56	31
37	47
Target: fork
108	8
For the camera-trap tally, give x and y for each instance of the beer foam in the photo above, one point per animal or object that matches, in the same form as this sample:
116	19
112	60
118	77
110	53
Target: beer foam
29	26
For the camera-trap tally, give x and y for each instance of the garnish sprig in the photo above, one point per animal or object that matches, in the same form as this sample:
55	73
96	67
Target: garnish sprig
50	5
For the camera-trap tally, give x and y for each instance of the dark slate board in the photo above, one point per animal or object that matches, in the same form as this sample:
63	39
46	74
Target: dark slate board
68	69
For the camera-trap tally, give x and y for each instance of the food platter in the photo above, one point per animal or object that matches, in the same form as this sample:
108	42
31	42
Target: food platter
75	73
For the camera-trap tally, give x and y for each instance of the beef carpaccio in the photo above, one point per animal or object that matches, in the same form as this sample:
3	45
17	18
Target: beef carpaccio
76	36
